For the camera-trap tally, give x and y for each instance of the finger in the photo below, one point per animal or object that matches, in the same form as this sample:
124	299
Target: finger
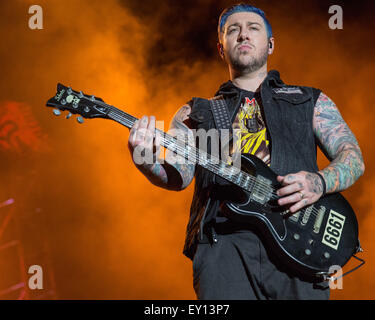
134	128
151	124
293	178
141	131
299	205
289	189
135	125
140	137
295	197
157	143
156	148
149	134
143	122
133	132
280	178
289	178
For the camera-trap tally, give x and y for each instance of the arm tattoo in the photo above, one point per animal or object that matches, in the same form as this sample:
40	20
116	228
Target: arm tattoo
339	143
155	173
179	126
174	173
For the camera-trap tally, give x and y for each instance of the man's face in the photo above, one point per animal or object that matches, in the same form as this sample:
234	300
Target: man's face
244	42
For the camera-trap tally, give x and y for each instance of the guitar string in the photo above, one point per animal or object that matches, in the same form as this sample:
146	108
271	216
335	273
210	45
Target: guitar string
122	117
314	212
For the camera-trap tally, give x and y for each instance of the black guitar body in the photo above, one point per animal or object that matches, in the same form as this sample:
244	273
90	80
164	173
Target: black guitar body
312	240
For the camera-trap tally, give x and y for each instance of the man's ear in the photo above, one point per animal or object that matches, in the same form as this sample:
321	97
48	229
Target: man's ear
220	49
271	45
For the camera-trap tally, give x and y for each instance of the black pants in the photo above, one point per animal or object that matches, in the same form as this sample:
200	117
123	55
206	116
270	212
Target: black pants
238	267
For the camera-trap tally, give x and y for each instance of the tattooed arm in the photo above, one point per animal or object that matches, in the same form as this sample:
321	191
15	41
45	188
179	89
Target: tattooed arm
340	145
172	173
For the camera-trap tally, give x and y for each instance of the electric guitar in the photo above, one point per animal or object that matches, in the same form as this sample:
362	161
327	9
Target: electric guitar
311	240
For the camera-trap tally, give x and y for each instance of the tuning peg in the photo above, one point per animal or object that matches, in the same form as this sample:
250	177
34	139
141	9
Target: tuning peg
80	119
69	91
56	112
80	94
92	98
68	115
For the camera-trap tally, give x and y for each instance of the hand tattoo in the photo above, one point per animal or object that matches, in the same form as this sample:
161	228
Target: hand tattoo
314	183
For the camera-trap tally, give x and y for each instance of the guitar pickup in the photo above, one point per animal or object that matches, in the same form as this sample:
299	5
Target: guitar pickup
306	215
262	190
295	216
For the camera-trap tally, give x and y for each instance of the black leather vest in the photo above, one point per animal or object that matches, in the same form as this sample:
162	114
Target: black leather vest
288	112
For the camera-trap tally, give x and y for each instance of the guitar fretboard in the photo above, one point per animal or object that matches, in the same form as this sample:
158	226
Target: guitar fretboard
190	153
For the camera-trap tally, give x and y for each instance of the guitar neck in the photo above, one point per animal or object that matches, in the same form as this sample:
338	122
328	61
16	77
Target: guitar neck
190	153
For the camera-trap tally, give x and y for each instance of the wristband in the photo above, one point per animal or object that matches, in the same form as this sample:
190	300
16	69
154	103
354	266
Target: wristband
323	183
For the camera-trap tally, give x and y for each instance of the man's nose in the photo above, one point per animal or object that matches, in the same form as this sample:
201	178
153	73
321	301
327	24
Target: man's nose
244	35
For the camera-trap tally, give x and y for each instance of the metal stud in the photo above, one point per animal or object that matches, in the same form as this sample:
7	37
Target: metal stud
80	119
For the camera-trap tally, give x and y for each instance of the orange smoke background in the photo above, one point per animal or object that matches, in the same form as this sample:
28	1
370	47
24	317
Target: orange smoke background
110	234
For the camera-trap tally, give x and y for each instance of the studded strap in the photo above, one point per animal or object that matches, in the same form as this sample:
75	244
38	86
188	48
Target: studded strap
221	113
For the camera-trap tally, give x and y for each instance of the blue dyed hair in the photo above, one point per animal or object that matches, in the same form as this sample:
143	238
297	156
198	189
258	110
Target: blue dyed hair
242	7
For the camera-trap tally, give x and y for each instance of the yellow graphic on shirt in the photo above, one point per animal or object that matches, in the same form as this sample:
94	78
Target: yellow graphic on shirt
251	131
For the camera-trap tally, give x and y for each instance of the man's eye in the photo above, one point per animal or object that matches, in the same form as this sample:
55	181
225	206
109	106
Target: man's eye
253	28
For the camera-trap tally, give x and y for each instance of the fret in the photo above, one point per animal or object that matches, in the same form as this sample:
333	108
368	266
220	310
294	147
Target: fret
245	184
239	178
222	168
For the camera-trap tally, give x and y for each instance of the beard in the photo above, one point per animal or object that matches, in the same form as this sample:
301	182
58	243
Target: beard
251	65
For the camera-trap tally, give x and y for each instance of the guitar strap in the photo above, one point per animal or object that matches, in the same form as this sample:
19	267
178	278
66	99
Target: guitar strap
222	121
221	113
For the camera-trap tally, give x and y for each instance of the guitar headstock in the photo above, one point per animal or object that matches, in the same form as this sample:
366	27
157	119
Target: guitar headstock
76	102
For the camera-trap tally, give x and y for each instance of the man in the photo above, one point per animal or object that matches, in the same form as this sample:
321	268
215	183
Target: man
281	125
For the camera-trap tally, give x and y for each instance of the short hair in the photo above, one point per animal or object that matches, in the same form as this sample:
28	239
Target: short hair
242	7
